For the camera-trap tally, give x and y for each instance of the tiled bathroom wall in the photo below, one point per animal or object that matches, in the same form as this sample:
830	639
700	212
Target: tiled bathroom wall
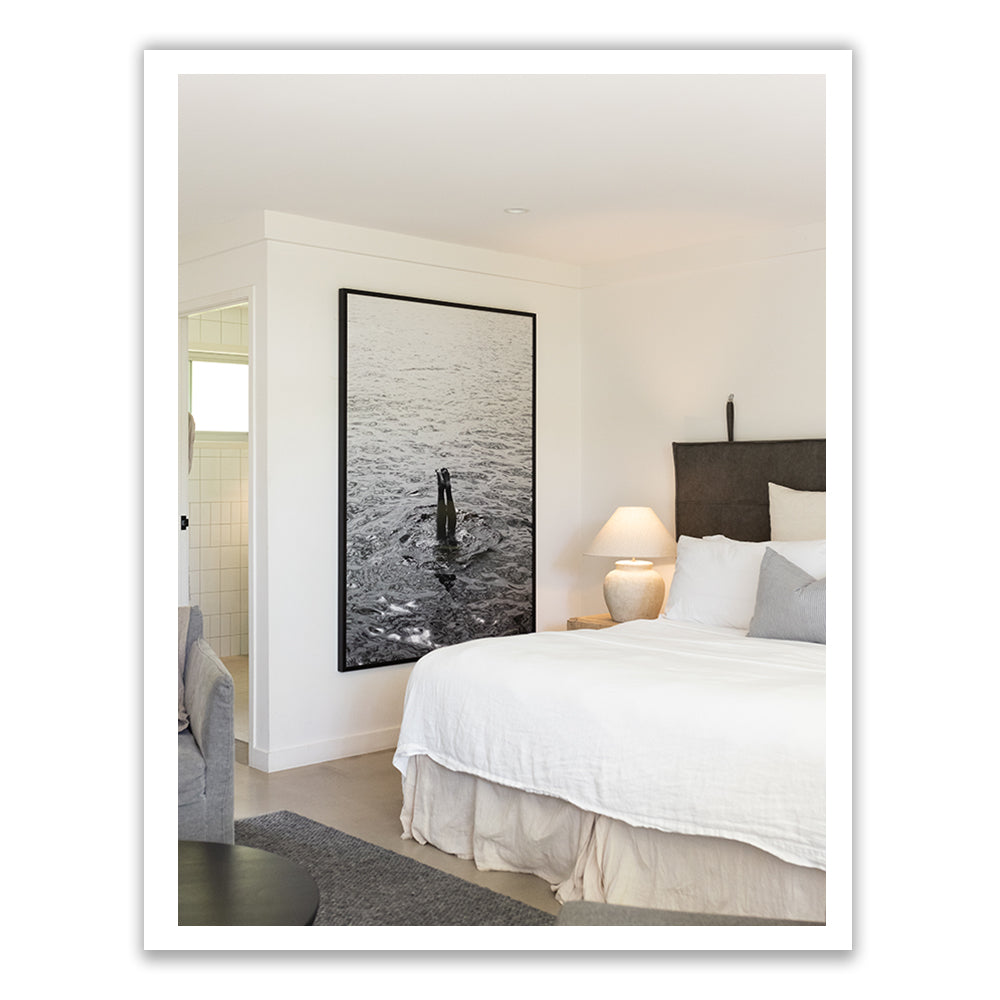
220	329
217	505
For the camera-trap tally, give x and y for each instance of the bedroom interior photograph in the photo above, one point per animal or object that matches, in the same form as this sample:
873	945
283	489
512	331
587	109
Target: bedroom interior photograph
501	451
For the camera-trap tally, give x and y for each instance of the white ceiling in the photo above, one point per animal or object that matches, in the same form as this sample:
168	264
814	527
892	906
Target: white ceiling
610	166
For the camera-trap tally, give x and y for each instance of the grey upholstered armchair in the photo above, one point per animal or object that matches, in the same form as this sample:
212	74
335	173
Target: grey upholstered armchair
205	748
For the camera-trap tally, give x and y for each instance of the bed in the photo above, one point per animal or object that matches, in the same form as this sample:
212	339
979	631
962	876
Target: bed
675	763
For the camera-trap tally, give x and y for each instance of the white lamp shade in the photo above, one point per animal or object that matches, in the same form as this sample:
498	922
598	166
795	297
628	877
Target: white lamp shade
635	532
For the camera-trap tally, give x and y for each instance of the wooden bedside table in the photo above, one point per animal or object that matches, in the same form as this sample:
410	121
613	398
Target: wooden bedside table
590	621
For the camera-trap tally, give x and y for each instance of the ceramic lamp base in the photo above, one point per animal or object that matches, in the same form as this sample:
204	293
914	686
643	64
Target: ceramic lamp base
633	589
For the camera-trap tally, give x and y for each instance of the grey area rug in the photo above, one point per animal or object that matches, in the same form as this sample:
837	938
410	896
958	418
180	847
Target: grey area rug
361	884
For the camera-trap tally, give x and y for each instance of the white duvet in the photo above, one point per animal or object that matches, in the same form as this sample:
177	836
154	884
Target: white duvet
673	726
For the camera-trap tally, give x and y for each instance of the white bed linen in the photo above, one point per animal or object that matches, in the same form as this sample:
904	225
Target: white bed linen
671	726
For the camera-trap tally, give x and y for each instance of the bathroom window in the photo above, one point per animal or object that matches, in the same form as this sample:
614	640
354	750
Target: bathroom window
219	396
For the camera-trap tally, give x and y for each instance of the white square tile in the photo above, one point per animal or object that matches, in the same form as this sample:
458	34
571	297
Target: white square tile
211	330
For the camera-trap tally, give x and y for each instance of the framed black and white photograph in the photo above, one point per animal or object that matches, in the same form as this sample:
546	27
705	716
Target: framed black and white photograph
437	446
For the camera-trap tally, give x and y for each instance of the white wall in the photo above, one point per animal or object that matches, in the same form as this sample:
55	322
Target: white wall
665	340
304	710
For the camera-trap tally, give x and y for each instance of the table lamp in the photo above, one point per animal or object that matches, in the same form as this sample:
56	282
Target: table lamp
633	589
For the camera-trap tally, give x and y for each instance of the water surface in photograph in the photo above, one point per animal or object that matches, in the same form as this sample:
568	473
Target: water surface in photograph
433	387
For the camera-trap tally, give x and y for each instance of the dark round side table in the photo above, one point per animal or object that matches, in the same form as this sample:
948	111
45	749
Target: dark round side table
231	885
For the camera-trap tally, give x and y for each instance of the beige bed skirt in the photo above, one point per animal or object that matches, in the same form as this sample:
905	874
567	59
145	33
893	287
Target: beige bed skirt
583	855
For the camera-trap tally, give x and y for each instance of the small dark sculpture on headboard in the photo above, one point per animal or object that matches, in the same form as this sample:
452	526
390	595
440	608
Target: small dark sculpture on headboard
729	417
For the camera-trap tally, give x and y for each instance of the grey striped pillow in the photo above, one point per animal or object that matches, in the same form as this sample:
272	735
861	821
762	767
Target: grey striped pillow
791	604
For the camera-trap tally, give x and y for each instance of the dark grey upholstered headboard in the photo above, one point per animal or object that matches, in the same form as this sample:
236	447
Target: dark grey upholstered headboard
721	486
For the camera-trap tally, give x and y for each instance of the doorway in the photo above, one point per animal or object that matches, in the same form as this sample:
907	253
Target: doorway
218	492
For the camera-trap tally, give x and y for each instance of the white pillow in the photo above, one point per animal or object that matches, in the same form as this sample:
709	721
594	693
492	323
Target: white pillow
796	514
715	581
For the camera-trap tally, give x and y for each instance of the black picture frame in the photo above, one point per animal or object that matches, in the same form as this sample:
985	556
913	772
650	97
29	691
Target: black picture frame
437	475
